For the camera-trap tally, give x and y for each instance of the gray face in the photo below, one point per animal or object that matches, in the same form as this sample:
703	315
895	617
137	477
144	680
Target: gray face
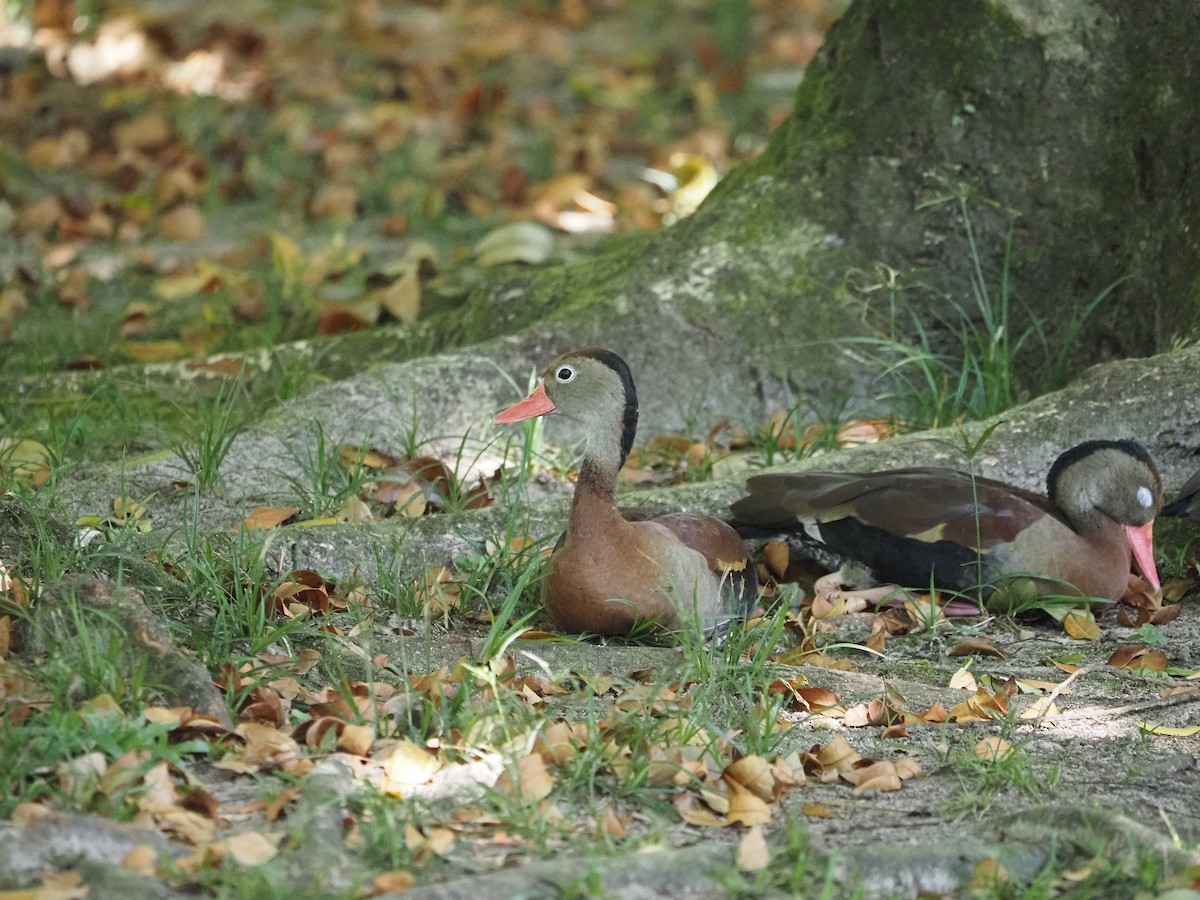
589	390
1108	481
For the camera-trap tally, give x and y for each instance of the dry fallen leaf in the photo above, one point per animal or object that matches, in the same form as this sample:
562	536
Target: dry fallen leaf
879	776
963	680
1136	657
402	298
819	811
924	612
145	132
745	807
827	606
334	201
780	429
613	826
818	700
526	242
1081	625
13	302
1042	708
303	591
183	223
977	646
154	351
981	707
989	878
439	592
250	848
1173	731
25	459
994	749
864	431
694	812
266	748
355	510
802	657
68	885
676	765
62	151
435	841
526	780
267	516
755	775
752	851
356	739
142	858
406	764
392	882
837	755
776	556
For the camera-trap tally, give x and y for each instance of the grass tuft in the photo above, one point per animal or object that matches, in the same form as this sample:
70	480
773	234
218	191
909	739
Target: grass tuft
973	372
208	438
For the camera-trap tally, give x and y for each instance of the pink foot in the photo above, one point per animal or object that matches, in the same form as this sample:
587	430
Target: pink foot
828	590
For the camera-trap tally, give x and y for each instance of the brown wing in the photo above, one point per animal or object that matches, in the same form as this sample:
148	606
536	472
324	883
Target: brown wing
924	503
727	556
720	544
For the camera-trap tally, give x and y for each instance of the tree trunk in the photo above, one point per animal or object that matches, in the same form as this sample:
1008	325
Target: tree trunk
924	136
1073	123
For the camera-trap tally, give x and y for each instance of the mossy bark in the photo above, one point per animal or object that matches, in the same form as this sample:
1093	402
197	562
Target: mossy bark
1070	125
1068	122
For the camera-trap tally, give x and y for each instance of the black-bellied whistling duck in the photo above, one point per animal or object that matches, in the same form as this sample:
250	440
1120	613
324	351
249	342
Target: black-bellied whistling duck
911	527
608	575
1187	501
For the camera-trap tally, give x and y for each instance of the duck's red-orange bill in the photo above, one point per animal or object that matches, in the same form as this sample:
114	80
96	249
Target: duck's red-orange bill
536	404
1141	539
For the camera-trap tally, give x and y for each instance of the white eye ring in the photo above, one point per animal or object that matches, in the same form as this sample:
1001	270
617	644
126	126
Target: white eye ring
566	374
1145	497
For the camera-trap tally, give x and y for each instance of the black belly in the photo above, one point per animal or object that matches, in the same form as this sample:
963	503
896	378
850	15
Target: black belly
906	561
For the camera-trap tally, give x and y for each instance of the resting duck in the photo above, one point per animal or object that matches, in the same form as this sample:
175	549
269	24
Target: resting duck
1187	501
909	526
608	574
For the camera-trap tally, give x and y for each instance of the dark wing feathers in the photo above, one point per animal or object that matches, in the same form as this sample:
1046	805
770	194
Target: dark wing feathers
906	561
908	526
774	501
924	503
1187	502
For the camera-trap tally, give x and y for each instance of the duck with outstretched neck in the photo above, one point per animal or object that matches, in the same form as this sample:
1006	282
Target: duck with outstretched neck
610	575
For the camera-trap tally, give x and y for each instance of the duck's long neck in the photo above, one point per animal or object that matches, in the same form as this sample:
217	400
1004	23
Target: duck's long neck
598	474
609	440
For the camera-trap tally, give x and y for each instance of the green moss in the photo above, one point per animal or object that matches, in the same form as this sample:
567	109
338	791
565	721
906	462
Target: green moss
911	669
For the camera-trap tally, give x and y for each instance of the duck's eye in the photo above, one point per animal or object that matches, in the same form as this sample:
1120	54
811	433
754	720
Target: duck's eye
564	374
1145	497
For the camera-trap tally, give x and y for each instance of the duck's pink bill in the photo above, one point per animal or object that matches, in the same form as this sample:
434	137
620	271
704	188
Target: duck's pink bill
536	404
1141	539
